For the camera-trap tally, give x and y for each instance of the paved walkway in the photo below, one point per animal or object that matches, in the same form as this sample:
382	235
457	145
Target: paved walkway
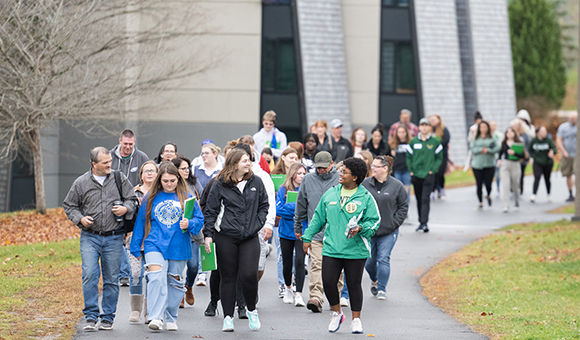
407	314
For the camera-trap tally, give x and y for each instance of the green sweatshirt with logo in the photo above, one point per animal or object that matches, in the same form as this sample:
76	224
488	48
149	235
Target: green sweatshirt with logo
360	209
539	150
424	156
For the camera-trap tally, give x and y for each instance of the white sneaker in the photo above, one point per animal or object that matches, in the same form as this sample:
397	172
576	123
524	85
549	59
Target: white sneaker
298	302
356	326
533	198
343	302
171	326
381	295
156	325
337	319
288	295
201	280
549	198
506	209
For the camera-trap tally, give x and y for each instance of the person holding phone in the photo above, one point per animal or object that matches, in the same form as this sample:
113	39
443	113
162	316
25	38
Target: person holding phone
351	217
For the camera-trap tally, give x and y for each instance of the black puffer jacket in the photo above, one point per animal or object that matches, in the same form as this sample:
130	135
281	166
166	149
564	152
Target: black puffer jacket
236	214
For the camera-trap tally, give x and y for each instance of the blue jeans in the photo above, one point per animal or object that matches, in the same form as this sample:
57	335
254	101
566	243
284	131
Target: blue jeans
136	286
279	264
193	265
165	287
125	266
379	264
109	249
344	291
405	178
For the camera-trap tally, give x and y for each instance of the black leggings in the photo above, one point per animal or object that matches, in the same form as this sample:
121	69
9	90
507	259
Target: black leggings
353	271
287	247
546	171
214	289
483	176
237	258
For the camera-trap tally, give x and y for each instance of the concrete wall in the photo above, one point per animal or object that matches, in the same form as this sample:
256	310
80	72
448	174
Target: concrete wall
493	61
362	19
229	90
322	47
441	70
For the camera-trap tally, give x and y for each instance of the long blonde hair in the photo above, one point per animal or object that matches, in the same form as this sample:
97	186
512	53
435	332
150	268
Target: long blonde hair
156	187
440	129
292	171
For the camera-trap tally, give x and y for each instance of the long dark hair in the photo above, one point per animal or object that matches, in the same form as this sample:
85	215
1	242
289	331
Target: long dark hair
478	134
158	158
191	179
516	138
228	173
156	187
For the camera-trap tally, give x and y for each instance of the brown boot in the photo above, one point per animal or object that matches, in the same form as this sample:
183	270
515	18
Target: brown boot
189	296
182	304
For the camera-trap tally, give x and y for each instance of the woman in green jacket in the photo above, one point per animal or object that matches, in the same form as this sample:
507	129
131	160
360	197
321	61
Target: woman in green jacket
351	217
483	148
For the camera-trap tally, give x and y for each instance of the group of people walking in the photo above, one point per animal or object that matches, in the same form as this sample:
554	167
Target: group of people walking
340	206
512	151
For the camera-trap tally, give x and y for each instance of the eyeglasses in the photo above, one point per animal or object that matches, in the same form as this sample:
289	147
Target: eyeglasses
169	151
343	172
377	166
185	168
149	172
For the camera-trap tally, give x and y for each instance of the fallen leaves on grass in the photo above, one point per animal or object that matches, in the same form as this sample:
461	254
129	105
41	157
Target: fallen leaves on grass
30	227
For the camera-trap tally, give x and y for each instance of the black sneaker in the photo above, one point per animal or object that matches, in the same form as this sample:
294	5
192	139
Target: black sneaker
124	282
242	312
374	288
425	228
314	306
419	228
489	200
211	309
570	199
90	325
106	325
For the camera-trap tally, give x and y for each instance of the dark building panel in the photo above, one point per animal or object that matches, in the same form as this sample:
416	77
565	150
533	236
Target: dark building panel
277	21
467	63
391	106
395	24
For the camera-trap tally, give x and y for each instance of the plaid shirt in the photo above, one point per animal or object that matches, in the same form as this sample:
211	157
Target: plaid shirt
87	197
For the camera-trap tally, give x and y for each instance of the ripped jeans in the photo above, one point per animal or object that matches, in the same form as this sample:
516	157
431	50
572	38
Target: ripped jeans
165	287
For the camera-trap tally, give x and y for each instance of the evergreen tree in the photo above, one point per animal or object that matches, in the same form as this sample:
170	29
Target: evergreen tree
539	70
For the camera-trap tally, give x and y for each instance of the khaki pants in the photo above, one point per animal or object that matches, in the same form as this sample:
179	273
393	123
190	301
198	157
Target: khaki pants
315	282
510	178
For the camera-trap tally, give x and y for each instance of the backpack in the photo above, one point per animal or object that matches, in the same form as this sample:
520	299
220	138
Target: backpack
128	224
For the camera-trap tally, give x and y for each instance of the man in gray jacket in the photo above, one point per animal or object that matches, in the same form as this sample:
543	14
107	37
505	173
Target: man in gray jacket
127	158
313	186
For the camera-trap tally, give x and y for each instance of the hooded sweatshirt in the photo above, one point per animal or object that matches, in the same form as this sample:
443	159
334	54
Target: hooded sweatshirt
266	139
313	186
129	166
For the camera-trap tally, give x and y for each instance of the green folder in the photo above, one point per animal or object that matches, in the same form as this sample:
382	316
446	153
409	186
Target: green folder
291	196
208	261
278	181
189	207
519	149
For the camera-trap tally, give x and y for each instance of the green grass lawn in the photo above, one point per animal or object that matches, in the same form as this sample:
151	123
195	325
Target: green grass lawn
39	283
520	283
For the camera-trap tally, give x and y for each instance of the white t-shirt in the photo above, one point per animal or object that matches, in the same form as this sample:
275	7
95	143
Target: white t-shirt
100	179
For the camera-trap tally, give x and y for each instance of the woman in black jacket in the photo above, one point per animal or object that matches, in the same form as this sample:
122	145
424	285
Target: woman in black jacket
236	210
391	197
